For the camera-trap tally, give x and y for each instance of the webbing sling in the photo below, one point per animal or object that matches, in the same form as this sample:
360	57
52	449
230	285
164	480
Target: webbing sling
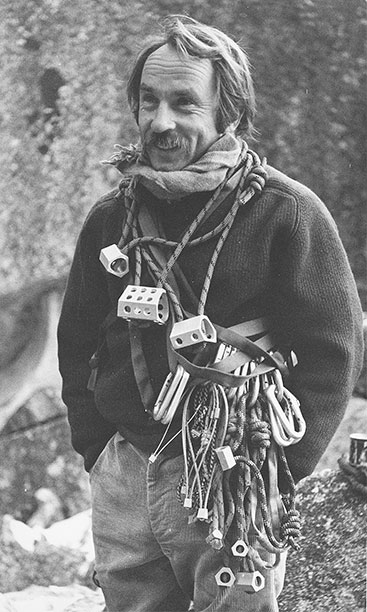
149	226
94	360
221	372
235	336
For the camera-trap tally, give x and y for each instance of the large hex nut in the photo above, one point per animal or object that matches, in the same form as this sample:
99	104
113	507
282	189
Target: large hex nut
239	549
251	581
225	577
144	304
114	260
192	331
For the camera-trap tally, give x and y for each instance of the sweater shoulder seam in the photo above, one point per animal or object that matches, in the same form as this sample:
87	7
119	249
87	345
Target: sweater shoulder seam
292	196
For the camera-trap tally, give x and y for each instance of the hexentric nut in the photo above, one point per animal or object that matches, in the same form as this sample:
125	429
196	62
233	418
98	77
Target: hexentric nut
251	581
225	577
239	549
114	261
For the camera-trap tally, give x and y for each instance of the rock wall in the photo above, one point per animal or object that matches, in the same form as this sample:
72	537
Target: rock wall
329	573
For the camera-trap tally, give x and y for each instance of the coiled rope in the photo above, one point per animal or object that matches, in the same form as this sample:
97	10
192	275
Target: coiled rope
249	438
252	180
234	501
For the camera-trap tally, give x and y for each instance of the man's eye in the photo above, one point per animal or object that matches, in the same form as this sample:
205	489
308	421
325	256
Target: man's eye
184	101
148	98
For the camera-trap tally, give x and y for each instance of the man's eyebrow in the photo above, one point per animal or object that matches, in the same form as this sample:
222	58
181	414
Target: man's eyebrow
144	87
189	92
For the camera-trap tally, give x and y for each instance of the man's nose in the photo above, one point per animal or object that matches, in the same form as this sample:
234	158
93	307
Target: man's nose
163	119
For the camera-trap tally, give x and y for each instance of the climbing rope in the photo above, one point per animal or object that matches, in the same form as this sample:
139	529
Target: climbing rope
250	442
253	174
235	422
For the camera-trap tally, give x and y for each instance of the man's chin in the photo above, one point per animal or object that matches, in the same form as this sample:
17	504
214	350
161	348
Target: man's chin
167	161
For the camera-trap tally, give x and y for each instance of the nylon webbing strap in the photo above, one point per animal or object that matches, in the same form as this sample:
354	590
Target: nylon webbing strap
94	360
150	227
253	327
239	358
221	372
244	344
222	378
247	350
140	367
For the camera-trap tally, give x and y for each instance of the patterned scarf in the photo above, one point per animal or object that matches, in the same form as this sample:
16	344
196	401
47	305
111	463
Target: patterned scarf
205	174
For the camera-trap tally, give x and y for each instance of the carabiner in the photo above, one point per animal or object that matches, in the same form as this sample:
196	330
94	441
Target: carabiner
254	386
283	425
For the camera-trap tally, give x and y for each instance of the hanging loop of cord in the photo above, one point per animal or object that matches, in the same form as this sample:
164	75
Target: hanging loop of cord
252	180
228	417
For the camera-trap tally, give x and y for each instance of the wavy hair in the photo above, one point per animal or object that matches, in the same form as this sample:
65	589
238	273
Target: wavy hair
235	93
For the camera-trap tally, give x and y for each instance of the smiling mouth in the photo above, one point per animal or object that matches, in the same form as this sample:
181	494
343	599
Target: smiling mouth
164	143
166	146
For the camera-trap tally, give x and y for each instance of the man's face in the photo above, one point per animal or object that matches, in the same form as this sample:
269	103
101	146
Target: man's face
177	109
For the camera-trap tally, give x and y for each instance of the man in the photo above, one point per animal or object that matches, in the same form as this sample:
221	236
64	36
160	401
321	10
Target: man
222	270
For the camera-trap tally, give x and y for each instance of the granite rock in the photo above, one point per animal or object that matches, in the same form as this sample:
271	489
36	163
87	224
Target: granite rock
328	573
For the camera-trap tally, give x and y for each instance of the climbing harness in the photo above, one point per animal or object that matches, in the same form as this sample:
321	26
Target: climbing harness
226	384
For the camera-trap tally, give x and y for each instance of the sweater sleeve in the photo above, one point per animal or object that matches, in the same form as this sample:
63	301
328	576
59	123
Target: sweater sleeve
320	311
85	306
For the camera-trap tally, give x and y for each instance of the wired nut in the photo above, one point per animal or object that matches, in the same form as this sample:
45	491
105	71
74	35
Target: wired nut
225	457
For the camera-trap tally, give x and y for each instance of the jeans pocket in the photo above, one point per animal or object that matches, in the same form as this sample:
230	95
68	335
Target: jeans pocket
97	464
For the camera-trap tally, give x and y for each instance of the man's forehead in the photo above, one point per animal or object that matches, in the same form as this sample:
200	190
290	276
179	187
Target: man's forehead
166	63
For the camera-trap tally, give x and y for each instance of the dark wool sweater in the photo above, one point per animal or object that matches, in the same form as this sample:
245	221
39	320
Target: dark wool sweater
283	258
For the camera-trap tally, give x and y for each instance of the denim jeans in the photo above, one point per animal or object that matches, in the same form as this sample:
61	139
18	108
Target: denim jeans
148	558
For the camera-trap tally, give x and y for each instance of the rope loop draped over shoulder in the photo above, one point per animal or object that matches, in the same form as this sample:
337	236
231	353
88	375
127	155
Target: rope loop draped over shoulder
221	389
258	175
250	177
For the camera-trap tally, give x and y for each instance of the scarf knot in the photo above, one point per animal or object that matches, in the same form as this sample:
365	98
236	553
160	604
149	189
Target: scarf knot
205	174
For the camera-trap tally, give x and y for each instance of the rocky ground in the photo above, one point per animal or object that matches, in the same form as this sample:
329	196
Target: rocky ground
327	575
74	598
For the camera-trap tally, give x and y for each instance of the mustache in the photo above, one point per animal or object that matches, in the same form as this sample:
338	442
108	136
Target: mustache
165	139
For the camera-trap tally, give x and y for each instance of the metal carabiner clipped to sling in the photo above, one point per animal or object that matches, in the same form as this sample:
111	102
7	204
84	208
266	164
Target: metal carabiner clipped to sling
170	395
287	423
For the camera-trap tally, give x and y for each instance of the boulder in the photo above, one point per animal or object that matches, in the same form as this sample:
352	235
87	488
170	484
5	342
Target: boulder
41	475
74	533
73	598
328	573
40	563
